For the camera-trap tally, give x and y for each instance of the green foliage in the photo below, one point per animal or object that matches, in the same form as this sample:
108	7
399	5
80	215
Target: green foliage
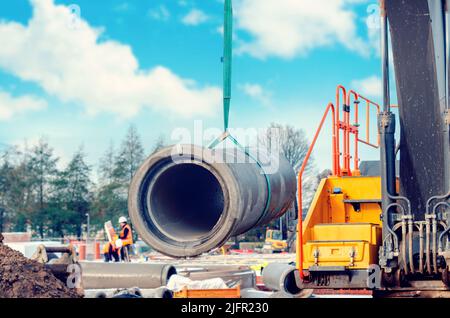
37	194
129	158
72	195
115	173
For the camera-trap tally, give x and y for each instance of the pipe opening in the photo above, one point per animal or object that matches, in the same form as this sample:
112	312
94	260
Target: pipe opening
170	271
186	202
167	294
290	284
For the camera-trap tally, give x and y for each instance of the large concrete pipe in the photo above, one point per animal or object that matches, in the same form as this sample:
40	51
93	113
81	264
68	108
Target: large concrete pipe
125	275
186	200
281	277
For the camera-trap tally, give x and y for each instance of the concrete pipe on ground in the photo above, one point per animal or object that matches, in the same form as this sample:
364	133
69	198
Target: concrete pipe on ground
281	277
245	278
161	292
186	200
125	275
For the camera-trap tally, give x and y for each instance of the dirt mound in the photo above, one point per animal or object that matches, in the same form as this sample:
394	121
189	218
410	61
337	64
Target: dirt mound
21	277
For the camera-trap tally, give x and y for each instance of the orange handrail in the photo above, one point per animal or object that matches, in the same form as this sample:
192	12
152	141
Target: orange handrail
300	185
378	108
348	129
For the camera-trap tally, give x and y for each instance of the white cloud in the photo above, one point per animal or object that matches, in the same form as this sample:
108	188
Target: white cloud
160	13
288	28
256	92
123	7
370	87
195	17
73	65
29	143
220	30
11	106
373	25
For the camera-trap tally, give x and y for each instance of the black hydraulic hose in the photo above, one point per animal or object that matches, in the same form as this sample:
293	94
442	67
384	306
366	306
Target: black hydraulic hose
387	131
444	203
441	237
438	197
385	59
421	248
387	128
395	237
434	232
410	245
433	215
427	245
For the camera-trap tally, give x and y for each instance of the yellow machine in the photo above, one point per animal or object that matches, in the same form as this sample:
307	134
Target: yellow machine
386	228
343	226
274	242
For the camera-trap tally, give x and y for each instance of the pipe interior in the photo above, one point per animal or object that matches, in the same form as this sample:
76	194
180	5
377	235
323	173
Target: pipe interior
172	271
186	202
290	284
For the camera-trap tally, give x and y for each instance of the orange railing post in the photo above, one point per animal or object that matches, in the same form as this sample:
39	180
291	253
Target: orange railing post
339	89
355	130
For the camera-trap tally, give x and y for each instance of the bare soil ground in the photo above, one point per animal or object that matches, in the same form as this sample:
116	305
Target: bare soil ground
21	277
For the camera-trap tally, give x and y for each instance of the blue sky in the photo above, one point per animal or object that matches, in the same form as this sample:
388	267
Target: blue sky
156	64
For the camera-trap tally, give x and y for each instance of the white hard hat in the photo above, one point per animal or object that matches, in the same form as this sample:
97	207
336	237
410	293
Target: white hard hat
122	219
119	243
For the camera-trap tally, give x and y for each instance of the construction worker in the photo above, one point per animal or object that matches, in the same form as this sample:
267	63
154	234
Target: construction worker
111	252
125	239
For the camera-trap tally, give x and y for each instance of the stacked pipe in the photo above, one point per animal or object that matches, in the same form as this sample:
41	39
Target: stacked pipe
186	200
125	275
282	277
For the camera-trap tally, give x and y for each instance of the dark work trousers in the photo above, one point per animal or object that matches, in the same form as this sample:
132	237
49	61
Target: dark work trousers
125	253
111	255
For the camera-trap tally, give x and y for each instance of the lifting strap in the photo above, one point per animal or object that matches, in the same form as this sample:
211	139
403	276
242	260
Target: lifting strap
227	61
227	72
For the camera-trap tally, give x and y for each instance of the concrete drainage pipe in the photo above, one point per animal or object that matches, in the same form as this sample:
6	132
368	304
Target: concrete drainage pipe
186	200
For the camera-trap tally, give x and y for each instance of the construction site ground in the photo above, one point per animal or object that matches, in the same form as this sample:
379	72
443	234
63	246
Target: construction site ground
21	277
224	260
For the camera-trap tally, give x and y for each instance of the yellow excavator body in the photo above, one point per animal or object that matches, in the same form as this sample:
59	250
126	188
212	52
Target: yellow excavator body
343	225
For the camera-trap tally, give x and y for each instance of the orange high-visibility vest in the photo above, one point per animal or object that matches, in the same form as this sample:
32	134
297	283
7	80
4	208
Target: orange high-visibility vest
106	248
128	240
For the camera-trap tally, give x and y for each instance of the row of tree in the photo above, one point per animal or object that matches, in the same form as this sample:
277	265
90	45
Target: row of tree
37	194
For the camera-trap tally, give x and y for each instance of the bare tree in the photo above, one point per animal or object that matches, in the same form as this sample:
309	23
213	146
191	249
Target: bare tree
291	141
293	144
